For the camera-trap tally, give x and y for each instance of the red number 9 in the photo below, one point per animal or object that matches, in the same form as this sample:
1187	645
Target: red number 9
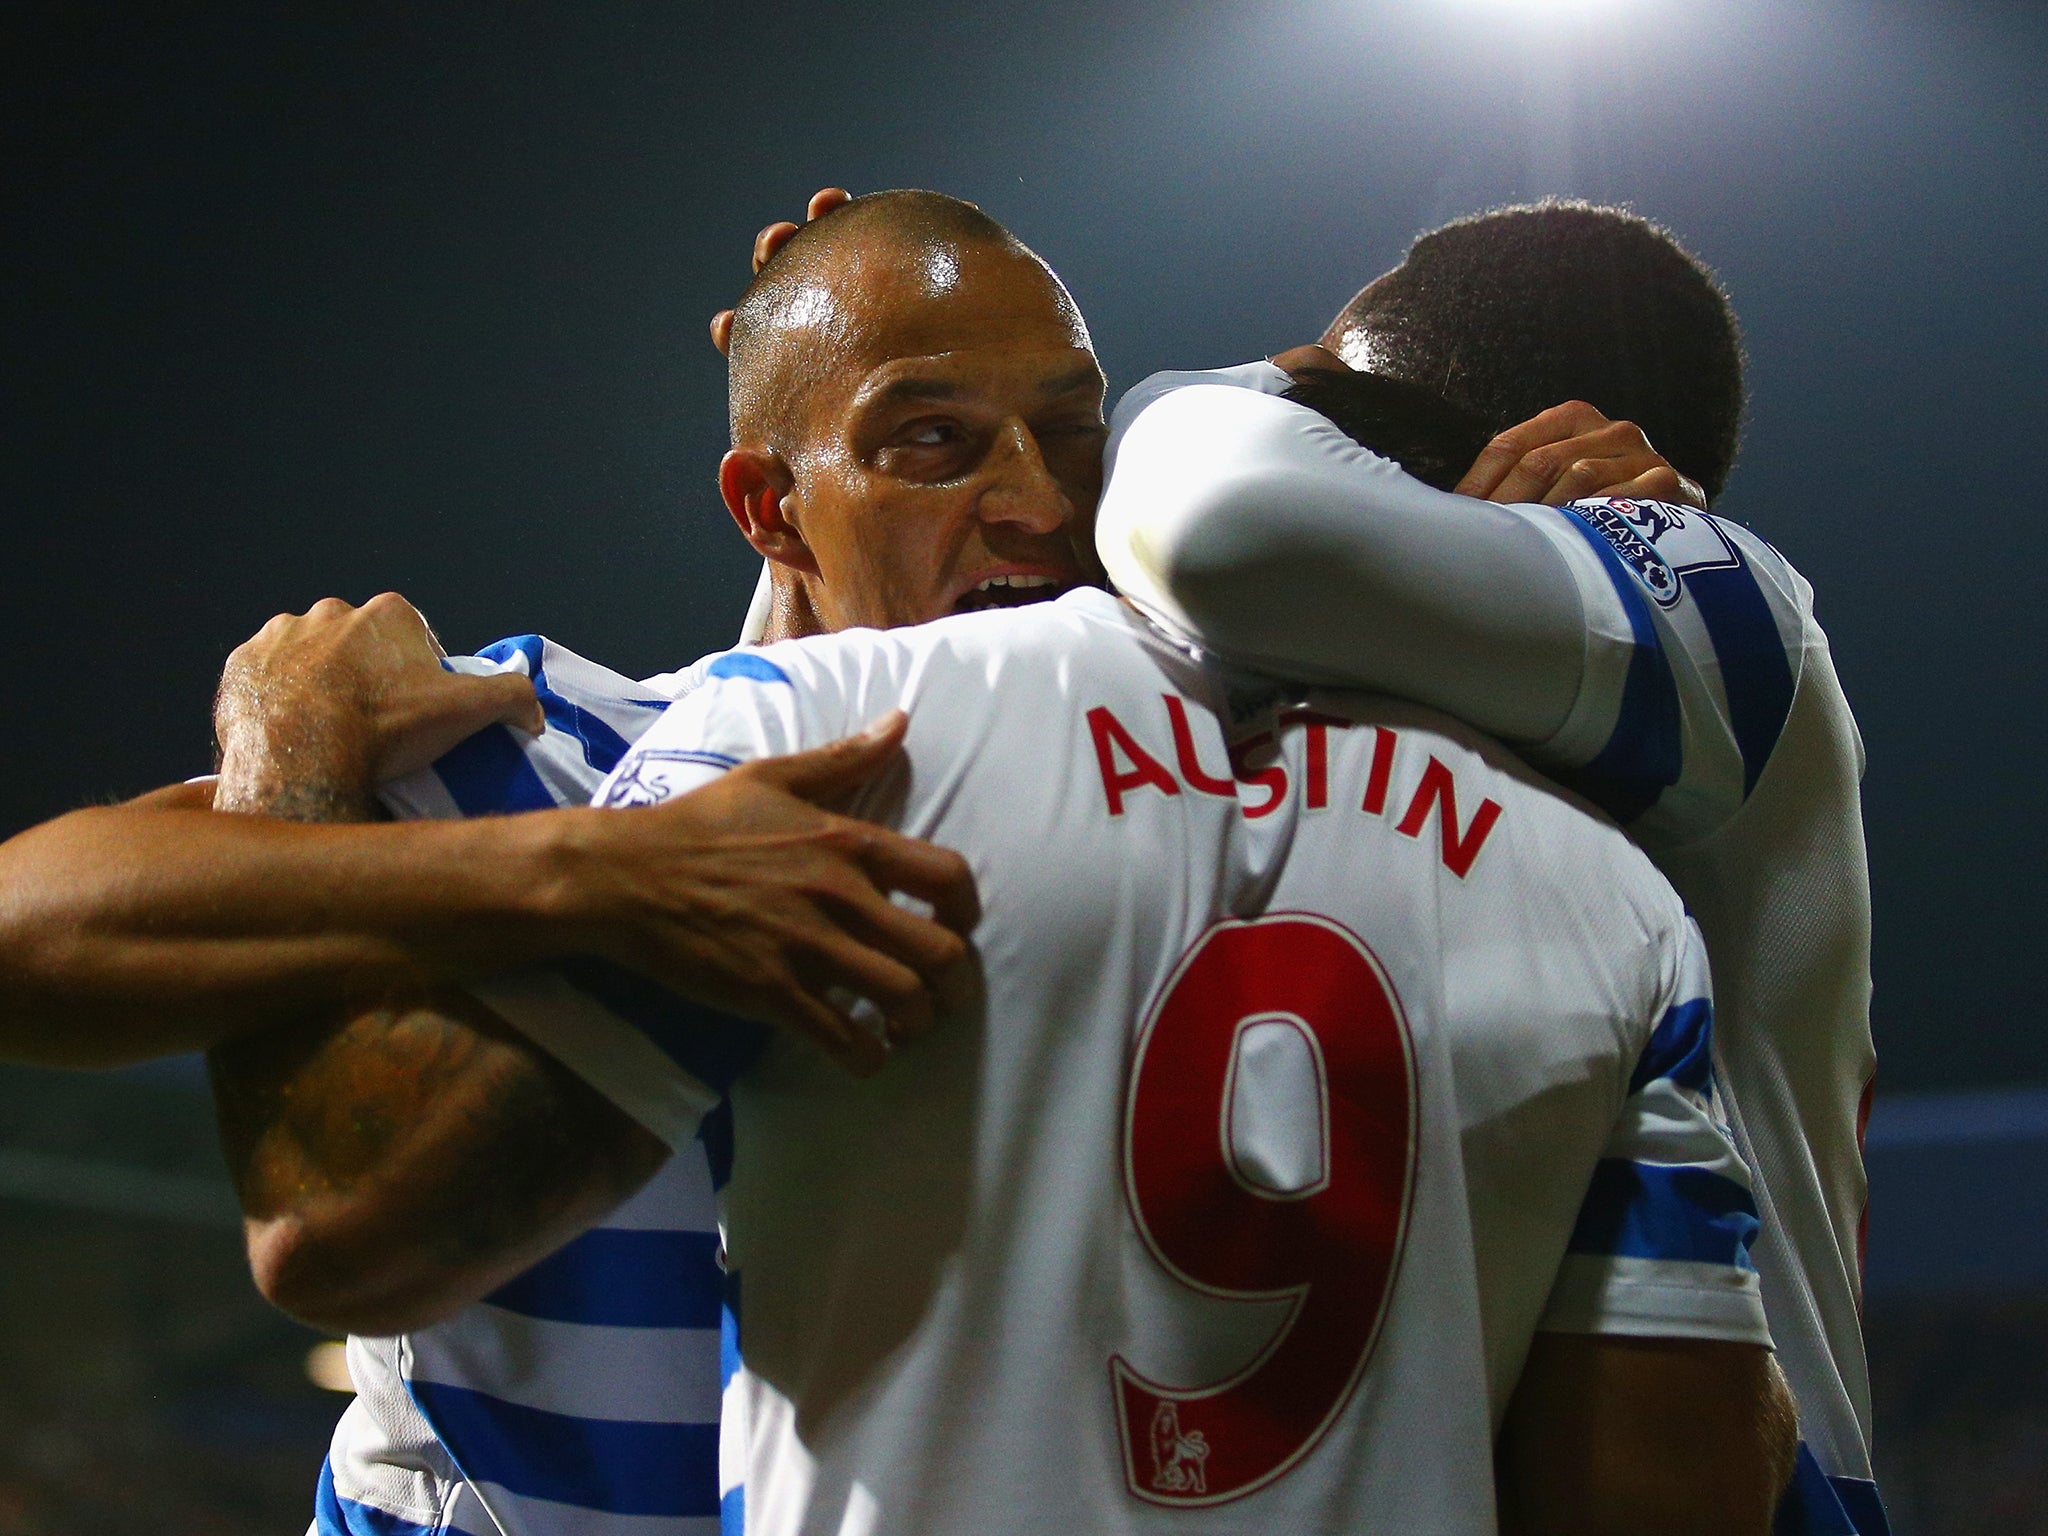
1330	1248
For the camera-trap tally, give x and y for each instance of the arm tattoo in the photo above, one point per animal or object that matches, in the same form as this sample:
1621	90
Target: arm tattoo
466	1139
452	1136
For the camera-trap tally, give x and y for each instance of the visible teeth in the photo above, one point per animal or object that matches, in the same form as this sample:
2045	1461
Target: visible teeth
1016	581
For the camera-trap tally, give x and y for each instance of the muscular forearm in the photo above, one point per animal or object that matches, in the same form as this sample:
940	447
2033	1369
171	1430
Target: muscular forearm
1624	1437
1263	531
403	1163
132	931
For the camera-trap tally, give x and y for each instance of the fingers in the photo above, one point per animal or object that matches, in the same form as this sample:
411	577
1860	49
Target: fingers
1660	484
511	700
1570	452
849	999
936	876
771	239
845	994
931	946
845	938
1506	453
1593	477
1489	469
1547	470
824	200
453	707
908	965
833	771
391	612
1642	476
775	236
858	1049
856	970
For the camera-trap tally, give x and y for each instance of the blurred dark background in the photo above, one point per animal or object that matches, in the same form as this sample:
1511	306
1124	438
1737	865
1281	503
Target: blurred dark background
308	299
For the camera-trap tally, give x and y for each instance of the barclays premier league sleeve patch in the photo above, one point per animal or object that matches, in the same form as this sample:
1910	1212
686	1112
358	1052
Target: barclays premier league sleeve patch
1659	543
656	775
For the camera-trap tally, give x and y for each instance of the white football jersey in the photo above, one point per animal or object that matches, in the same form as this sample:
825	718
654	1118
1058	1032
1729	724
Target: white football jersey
1692	697
1319	1060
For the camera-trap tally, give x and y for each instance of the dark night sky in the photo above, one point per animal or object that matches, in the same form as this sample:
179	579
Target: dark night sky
303	299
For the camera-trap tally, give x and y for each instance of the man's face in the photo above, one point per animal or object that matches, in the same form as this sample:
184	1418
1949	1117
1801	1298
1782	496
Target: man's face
954	461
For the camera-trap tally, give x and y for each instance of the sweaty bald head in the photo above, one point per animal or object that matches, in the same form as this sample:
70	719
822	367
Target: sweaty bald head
892	274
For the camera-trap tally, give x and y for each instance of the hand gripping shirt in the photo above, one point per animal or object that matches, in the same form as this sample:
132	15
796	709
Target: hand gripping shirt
1222	1196
1665	663
582	1398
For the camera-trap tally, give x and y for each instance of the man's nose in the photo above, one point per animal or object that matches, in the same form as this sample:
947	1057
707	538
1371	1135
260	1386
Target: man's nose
1019	489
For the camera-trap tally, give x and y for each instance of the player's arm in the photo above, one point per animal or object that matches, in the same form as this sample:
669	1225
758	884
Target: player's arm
1617	1436
1258	527
398	1162
153	927
1650	1401
158	926
755	711
400	1156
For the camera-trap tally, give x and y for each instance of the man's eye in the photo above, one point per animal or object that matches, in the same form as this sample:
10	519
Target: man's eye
933	434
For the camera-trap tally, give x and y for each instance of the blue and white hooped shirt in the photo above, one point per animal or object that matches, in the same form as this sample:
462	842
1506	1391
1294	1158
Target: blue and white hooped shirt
582	1398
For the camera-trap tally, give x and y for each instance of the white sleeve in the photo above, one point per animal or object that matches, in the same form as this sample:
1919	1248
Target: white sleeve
1662	1243
1643	654
664	1060
1259	529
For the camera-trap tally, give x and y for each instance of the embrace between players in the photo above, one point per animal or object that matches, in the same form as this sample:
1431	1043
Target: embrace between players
1284	1101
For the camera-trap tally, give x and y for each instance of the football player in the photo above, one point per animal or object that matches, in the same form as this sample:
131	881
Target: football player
401	1160
583	734
1259	1168
1664	662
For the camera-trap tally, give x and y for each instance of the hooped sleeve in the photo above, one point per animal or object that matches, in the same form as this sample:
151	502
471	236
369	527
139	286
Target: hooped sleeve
664	1060
1661	1247
593	714
1642	653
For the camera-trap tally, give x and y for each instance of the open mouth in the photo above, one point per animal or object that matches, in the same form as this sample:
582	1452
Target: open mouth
1011	592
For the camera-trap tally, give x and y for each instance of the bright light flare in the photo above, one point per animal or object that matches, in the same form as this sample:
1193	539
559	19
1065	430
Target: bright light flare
1541	10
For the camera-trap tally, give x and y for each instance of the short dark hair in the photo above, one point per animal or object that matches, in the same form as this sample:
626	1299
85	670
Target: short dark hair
1432	438
1510	312
767	375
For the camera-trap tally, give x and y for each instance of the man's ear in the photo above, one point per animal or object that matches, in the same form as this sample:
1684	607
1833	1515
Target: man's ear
755	484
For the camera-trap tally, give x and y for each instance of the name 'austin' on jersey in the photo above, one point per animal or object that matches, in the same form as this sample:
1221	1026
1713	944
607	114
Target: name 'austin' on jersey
1311	1076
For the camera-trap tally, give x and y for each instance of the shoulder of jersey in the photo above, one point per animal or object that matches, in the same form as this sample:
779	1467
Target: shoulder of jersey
1667	548
994	634
583	700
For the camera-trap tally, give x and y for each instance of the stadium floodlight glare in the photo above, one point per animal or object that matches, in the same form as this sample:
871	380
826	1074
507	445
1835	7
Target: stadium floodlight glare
1539	10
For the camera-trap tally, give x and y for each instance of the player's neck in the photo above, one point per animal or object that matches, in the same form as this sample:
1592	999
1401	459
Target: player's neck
792	615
